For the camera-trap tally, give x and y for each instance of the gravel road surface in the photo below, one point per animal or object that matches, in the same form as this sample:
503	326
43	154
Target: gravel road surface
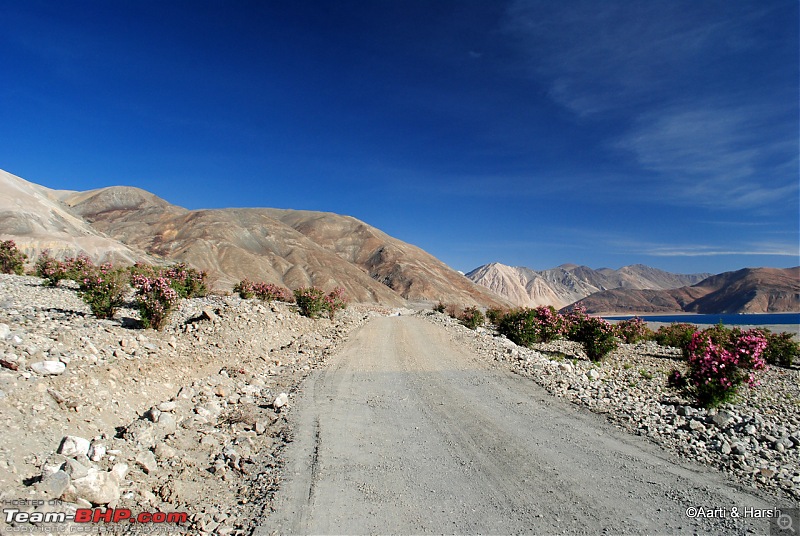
407	431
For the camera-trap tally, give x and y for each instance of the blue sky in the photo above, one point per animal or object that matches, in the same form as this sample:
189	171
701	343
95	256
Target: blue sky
530	133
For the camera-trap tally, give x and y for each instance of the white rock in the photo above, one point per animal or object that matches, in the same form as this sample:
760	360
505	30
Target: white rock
4	331
280	400
74	446
96	452
566	367
98	487
147	461
167	406
593	374
48	368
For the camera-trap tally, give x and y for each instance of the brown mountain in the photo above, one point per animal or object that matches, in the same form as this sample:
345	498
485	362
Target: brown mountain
750	290
35	218
291	248
568	283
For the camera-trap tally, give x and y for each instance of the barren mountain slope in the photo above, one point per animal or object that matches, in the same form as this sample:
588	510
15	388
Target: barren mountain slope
292	248
413	273
568	283
36	220
751	290
232	244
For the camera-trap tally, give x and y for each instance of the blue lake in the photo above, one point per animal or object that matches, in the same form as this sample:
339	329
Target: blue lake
727	319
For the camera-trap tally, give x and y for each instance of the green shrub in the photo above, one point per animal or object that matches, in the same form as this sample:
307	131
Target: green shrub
334	301
782	349
439	307
245	289
633	330
597	336
472	317
103	288
518	327
494	315
676	335
156	299
716	371
78	268
49	269
187	282
310	301
269	292
12	260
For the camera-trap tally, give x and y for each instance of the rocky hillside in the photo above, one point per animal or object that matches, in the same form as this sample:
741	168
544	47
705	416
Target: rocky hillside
751	290
569	283
36	219
286	247
191	419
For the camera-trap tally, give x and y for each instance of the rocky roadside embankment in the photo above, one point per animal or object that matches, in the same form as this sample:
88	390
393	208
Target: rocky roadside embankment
191	419
756	441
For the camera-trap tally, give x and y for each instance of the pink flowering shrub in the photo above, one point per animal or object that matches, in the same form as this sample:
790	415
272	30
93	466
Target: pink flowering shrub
78	268
335	301
633	330
717	370
597	336
12	260
103	288
528	326
472	317
245	289
49	269
573	320
156	299
313	302
187	282
310	301
270	292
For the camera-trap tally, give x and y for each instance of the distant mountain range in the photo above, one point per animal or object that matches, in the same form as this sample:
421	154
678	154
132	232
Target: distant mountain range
287	247
297	248
568	283
751	290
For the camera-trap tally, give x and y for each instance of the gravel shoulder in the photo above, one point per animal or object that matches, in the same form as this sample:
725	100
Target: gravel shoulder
411	430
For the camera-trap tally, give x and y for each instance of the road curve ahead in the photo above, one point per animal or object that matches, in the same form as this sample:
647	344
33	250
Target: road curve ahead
408	432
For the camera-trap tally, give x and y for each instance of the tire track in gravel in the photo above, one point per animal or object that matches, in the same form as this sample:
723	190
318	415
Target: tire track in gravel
407	431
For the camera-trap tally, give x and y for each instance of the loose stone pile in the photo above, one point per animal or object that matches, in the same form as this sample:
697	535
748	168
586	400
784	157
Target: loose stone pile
99	413
757	440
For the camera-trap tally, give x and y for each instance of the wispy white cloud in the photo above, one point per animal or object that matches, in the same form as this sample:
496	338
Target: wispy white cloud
643	68
776	249
716	156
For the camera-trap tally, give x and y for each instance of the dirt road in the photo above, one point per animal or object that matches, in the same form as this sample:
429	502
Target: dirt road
406	431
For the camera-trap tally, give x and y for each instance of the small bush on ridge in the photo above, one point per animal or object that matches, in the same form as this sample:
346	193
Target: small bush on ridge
676	335
245	289
716	372
597	336
334	301
270	292
633	330
12	260
439	307
187	282
156	299
310	301
49	269
103	289
494	314
472	317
